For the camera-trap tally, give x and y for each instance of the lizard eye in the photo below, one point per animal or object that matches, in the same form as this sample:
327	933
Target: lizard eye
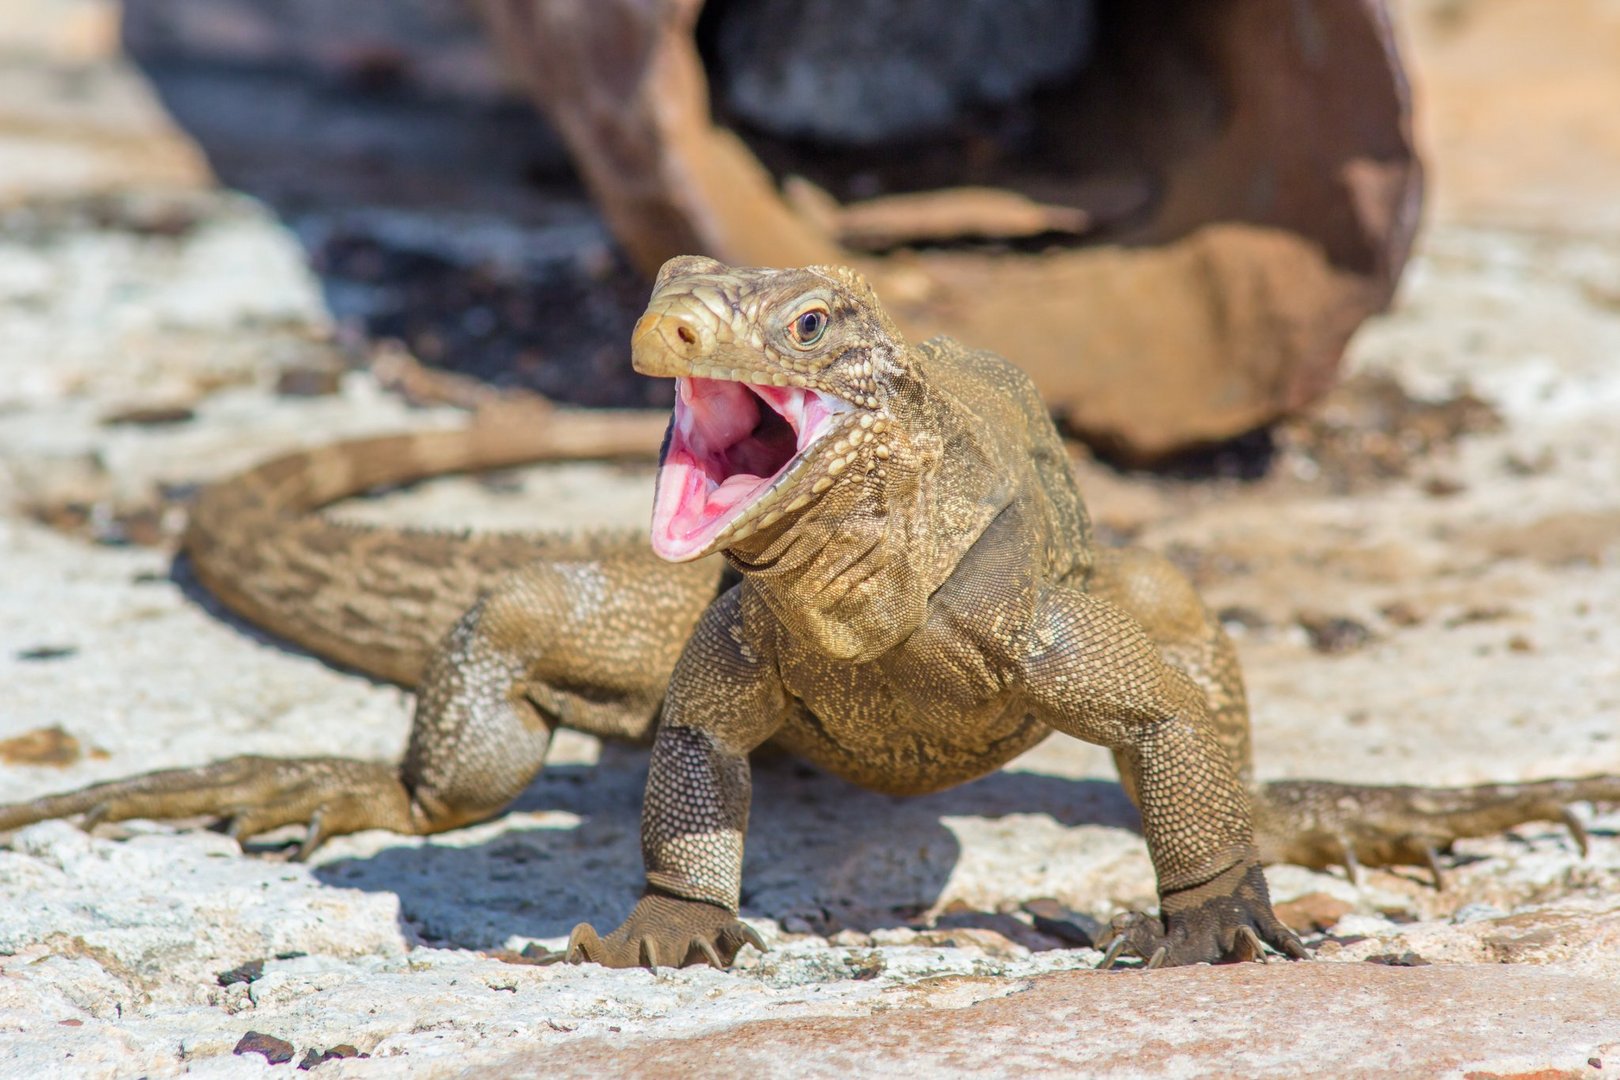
808	327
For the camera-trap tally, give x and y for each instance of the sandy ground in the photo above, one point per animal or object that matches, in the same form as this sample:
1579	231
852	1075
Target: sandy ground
147	319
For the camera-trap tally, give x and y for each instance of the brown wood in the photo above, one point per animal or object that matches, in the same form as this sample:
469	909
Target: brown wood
1249	165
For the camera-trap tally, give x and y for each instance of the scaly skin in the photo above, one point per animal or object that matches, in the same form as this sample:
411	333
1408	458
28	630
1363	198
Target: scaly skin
914	601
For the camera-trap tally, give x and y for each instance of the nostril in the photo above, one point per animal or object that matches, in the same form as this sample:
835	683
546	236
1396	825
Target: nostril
686	335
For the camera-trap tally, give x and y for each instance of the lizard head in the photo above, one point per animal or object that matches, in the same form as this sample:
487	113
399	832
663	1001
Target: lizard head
780	395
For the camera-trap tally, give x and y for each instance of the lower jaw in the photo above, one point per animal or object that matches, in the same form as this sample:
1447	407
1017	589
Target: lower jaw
671	541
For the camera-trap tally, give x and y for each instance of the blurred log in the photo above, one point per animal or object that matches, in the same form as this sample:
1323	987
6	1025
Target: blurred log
1240	173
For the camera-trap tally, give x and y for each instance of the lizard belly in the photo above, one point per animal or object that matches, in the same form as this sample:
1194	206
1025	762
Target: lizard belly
853	721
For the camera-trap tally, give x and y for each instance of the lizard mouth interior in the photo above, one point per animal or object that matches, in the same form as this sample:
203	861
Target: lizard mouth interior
731	451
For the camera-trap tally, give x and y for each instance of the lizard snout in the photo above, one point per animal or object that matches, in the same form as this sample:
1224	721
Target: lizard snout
668	342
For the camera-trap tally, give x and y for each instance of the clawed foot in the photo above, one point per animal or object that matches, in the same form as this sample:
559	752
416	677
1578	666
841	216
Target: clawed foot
666	930
1227	920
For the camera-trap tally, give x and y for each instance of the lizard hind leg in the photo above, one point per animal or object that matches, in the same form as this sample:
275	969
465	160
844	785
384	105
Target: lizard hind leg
249	795
477	740
1320	824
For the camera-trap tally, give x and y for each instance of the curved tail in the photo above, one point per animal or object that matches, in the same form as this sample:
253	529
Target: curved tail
1320	824
378	599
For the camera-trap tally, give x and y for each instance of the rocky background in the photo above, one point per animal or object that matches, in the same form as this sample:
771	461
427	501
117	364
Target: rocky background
201	266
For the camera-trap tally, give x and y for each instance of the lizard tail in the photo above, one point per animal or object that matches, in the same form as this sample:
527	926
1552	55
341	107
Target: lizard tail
1319	824
16	815
378	599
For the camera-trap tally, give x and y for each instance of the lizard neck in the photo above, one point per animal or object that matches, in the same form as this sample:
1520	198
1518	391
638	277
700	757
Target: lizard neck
853	574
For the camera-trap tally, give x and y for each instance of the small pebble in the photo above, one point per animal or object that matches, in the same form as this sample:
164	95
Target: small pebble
276	1051
1333	634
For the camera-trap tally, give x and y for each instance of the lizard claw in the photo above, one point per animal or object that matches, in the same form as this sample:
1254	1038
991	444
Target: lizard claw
1577	830
583	947
95	816
665	929
315	835
1352	864
1136	934
751	936
706	947
1431	859
1247	946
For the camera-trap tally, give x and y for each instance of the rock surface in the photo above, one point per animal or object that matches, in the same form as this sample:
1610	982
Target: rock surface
146	319
1433	1021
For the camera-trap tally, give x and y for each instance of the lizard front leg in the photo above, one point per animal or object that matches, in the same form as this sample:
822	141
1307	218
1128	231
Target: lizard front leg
1092	672
725	699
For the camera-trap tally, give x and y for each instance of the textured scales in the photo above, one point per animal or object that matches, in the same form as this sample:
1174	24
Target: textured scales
913	599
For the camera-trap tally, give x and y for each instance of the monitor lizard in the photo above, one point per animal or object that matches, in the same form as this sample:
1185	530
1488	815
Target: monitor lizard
907	593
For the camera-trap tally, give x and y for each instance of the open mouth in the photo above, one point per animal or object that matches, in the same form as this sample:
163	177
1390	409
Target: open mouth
733	450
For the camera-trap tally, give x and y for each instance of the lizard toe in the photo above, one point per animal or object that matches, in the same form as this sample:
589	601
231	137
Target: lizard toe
584	946
1133	933
705	948
1247	946
1577	830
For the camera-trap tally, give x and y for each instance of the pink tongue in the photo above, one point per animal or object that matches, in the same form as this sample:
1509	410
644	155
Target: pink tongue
732	492
696	507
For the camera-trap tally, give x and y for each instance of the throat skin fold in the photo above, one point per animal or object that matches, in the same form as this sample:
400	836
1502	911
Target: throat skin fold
853	574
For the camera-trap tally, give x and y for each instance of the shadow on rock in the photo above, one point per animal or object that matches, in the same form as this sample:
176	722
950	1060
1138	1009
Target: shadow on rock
819	849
